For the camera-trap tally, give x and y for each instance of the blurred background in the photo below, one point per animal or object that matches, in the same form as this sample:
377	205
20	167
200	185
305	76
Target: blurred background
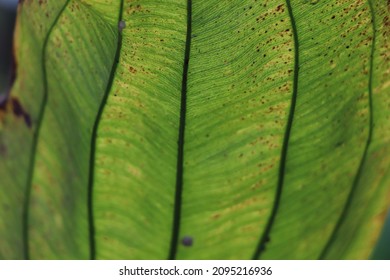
7	22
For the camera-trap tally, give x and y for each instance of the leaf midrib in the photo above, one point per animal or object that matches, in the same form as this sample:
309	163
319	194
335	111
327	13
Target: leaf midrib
355	183
114	67
265	237
180	152
26	204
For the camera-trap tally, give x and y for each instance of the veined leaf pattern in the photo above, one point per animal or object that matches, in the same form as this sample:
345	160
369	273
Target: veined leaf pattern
179	129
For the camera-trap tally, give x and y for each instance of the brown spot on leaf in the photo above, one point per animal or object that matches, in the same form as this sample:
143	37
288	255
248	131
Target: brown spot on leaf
133	9
216	216
12	105
36	188
386	21
280	8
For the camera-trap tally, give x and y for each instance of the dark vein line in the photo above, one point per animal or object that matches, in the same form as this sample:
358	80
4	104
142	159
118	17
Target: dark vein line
26	204
180	154
368	142
265	236
92	244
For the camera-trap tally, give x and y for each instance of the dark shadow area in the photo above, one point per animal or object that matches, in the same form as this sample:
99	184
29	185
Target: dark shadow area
382	248
7	24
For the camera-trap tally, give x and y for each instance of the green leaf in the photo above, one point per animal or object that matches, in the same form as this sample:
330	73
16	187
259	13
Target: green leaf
251	129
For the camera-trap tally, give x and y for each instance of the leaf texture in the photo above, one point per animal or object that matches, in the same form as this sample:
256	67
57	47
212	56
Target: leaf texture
251	129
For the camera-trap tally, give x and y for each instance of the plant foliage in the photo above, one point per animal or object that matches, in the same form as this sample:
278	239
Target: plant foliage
218	129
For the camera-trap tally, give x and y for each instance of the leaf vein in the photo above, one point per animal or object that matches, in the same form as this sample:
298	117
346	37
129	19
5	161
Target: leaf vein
92	244
265	237
180	154
355	183
41	114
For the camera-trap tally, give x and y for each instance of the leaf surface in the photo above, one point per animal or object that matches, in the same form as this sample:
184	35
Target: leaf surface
196	130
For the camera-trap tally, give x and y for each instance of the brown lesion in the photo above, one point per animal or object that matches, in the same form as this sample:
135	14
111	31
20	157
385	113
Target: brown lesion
13	106
280	8
386	21
132	70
